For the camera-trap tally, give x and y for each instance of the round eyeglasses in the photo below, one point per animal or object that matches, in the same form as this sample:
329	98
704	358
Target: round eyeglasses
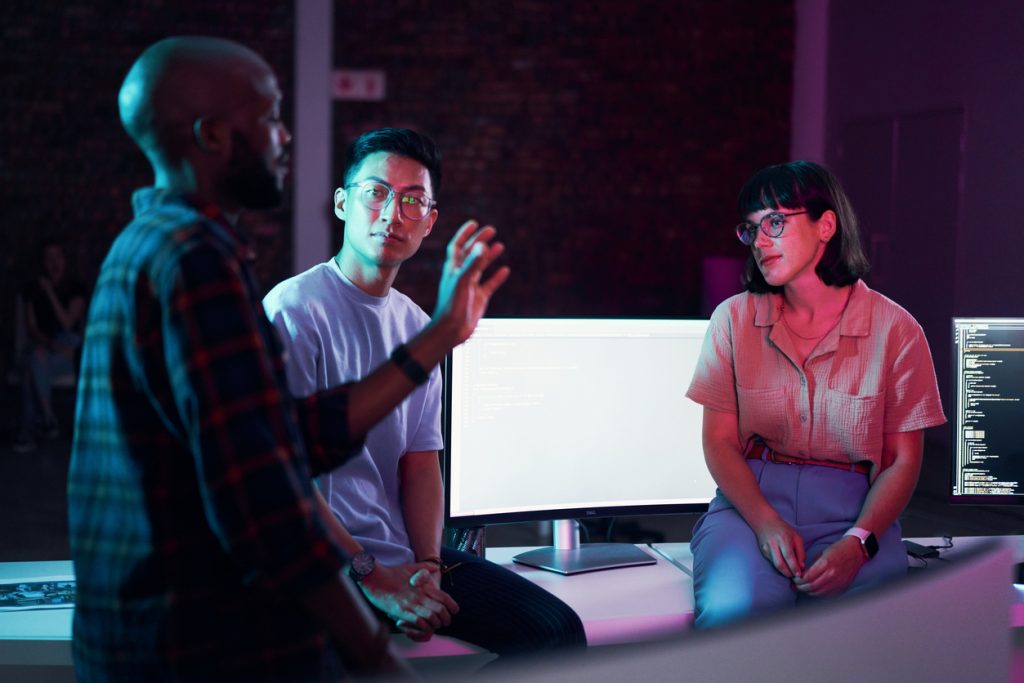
414	205
771	224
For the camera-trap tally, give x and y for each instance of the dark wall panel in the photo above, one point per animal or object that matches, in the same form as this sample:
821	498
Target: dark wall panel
923	126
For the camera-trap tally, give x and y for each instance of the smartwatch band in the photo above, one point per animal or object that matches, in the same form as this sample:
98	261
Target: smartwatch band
408	365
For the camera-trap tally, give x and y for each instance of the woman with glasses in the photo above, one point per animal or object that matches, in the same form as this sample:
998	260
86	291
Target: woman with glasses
816	391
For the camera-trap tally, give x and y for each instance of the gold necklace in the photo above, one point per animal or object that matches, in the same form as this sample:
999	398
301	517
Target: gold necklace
782	314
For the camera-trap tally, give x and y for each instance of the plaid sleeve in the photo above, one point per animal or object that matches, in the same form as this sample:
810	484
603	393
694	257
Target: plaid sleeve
324	420
250	463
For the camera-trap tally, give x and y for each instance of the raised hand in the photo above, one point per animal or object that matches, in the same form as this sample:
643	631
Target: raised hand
463	295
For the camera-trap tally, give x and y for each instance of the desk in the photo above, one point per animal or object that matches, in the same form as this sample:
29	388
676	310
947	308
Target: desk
36	644
618	605
963	543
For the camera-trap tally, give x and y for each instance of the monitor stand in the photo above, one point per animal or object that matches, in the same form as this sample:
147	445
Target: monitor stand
567	556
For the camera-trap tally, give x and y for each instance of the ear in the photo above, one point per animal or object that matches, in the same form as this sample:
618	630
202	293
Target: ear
431	219
340	199
827	225
211	134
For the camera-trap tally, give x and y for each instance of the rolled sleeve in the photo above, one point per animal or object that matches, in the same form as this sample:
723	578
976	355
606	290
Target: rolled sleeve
912	392
714	379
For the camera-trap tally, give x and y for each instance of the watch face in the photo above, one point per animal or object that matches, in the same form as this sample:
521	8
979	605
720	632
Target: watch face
871	545
362	564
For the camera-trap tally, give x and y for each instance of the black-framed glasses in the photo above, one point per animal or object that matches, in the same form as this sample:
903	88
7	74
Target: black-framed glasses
414	205
771	224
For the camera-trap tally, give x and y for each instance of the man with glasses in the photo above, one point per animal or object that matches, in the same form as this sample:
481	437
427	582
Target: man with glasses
340	319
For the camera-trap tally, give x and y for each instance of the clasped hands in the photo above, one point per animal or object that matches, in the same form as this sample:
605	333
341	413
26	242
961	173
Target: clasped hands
411	595
829	574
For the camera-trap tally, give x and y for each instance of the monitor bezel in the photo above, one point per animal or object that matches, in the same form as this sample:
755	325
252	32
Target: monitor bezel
548	514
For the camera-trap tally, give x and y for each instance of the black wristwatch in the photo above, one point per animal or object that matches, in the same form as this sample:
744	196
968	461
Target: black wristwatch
361	566
868	542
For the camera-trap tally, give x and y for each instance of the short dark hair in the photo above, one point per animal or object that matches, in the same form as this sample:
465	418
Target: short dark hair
401	141
810	186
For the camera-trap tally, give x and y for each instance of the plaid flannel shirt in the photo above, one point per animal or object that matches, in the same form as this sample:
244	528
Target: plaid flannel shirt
192	521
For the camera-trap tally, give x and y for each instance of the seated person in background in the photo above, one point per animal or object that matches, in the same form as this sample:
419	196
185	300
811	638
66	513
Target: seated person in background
199	550
54	308
816	391
339	320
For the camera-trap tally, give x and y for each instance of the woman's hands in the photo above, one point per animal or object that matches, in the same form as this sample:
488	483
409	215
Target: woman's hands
782	546
834	570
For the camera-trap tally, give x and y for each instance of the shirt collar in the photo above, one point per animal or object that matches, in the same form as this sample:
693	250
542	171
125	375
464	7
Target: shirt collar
855	321
355	292
150	198
769	308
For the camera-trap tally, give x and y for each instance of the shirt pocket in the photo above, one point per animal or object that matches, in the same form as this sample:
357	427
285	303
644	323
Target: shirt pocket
854	423
764	412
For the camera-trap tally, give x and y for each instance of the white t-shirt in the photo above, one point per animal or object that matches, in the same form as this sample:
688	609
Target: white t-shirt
334	332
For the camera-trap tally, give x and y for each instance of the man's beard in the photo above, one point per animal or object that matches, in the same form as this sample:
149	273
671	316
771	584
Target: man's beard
248	181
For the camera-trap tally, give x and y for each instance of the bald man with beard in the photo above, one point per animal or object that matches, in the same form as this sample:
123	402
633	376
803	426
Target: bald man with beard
198	548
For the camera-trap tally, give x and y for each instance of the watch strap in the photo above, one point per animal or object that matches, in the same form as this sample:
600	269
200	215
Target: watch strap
409	366
868	542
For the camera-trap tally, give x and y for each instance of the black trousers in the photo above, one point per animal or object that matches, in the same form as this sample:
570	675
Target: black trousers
503	612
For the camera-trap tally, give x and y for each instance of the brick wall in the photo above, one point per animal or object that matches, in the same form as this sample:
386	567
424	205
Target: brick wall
66	168
606	139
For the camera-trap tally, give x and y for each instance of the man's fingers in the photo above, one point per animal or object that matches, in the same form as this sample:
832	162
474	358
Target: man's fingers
476	248
457	243
443	598
420	578
464	245
415	632
491	285
433	612
481	236
480	257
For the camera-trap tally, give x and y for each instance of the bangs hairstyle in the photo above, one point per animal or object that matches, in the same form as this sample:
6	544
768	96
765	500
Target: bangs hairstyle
400	141
806	185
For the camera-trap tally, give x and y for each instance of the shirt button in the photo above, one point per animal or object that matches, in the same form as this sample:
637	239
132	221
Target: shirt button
803	418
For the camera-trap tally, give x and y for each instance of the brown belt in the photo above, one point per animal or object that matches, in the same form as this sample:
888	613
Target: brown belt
759	451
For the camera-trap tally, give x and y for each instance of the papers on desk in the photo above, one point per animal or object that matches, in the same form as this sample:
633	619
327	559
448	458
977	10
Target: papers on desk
46	592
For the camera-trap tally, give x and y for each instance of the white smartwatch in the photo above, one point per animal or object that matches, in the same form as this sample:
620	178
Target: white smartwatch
868	542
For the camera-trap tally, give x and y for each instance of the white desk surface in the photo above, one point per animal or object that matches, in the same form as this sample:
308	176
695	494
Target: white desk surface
617	605
41	636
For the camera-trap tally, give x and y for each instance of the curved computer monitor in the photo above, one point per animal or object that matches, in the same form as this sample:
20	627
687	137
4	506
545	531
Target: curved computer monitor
988	411
564	418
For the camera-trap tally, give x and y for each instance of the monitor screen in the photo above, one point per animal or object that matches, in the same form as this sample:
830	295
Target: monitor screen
988	410
573	418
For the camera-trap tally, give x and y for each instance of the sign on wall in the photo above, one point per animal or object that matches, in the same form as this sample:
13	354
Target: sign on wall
359	85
